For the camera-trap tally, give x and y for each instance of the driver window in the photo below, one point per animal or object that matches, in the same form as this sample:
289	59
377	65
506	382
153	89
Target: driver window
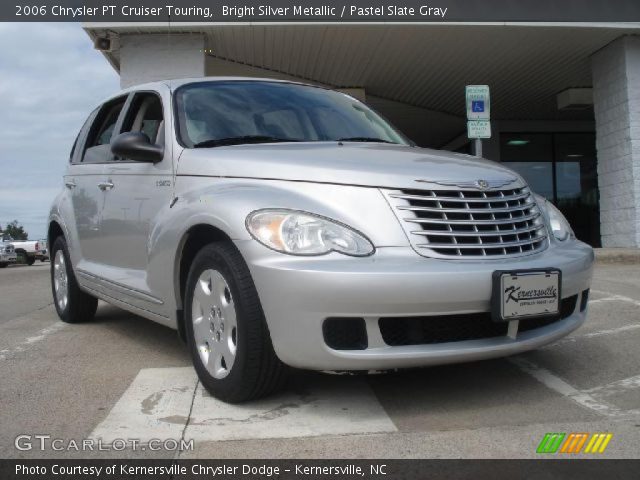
145	115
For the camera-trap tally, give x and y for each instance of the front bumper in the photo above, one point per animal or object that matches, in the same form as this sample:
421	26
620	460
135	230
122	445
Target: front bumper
299	293
8	258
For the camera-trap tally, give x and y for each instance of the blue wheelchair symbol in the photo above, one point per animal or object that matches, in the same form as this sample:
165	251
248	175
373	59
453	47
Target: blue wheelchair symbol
477	106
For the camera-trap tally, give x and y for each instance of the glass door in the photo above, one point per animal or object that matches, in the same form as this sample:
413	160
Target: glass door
577	184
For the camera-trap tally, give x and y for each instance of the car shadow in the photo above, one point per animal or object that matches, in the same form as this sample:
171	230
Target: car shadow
140	331
467	395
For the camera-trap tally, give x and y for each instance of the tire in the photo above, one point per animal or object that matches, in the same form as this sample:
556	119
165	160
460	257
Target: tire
30	260
4	265
220	288
72	304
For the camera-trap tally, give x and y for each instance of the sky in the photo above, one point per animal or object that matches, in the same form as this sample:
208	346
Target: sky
51	78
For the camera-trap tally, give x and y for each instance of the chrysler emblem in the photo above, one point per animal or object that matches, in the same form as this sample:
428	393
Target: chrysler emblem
482	184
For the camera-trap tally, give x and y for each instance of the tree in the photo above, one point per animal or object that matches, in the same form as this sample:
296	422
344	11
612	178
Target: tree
16	231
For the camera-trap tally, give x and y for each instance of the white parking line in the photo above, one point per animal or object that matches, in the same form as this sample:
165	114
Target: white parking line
41	335
611	331
597	333
617	387
591	399
557	384
605	299
156	405
613	296
158	402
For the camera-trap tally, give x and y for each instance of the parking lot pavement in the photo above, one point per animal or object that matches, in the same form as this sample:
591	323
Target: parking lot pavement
24	289
123	377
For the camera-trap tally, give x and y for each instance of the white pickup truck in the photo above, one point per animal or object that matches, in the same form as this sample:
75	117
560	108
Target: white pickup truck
29	250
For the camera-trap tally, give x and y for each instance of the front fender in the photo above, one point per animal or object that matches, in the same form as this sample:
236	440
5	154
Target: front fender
224	203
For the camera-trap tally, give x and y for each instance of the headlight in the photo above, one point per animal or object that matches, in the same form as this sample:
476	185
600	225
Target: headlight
300	233
559	225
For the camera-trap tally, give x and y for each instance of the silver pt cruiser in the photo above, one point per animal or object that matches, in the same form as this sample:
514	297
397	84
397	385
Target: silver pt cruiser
277	224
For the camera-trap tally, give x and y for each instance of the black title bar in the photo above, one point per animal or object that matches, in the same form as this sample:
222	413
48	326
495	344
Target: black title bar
379	469
411	11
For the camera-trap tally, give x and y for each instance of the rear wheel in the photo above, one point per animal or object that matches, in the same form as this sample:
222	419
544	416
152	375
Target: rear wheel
3	265
227	333
72	304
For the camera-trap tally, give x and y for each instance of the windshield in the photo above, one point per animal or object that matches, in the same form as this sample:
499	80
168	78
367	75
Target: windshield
222	113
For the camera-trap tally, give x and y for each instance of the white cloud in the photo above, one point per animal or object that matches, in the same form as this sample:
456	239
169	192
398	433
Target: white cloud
51	78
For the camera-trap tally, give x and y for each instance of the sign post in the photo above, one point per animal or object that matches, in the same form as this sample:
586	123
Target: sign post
478	115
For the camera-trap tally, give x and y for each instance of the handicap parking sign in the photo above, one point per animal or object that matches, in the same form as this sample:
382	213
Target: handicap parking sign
478	102
477	106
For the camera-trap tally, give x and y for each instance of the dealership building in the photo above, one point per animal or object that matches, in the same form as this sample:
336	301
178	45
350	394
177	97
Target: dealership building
565	98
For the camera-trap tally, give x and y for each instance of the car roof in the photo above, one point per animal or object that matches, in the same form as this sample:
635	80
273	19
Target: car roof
175	83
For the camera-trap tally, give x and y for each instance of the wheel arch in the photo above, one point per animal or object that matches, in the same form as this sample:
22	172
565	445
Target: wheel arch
192	241
54	231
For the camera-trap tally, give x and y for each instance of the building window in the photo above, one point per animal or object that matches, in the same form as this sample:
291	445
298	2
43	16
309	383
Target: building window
562	168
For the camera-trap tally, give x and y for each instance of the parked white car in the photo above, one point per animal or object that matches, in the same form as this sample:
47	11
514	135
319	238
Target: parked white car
276	224
7	254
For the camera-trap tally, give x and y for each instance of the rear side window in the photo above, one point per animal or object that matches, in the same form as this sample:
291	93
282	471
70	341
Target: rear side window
97	147
81	136
107	124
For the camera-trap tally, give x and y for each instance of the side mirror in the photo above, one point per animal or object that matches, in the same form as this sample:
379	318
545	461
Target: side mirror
137	146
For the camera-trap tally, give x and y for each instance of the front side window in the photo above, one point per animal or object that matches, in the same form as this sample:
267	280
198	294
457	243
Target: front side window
145	115
228	113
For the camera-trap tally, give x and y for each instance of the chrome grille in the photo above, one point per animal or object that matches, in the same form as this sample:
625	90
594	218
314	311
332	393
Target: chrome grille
470	223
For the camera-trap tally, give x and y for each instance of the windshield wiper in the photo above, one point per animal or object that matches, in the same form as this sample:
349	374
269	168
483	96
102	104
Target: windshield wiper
245	139
364	139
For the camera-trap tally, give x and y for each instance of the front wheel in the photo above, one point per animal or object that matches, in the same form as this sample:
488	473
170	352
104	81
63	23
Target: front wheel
3	265
30	260
227	333
72	304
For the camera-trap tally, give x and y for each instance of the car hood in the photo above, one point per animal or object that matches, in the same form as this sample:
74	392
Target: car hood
365	164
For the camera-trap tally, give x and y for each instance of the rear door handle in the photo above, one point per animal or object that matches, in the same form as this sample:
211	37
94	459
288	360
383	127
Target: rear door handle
70	184
108	185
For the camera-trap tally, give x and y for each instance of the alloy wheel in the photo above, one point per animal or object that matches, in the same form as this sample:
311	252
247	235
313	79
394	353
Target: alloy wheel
60	280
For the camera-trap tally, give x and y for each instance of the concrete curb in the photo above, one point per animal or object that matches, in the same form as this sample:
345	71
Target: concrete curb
630	256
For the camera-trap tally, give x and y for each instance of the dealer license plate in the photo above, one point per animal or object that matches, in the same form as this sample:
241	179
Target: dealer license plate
524	293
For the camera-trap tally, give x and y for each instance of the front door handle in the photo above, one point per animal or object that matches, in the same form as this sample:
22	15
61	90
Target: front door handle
70	184
108	185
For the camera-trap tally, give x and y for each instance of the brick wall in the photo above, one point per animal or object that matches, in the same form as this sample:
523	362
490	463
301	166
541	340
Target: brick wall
616	92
